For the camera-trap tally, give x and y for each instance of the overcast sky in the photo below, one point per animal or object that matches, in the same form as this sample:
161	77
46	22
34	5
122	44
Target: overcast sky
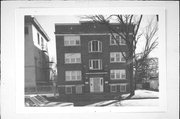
48	24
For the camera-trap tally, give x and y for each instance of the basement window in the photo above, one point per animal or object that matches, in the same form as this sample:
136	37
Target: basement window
113	88
68	90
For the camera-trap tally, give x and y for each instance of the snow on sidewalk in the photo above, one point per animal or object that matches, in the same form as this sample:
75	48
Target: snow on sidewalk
143	94
102	103
137	102
141	98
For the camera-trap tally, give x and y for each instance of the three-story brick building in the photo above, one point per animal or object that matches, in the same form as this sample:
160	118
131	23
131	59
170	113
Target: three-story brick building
89	61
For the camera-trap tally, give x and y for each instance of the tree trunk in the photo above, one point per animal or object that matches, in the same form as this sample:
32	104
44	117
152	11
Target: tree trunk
135	76
130	69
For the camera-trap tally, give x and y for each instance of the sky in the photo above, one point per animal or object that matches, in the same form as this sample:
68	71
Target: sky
48	24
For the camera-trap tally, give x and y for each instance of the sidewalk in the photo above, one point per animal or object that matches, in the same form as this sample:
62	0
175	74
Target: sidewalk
141	98
42	94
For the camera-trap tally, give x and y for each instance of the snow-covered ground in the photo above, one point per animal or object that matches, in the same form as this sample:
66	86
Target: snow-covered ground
144	94
141	98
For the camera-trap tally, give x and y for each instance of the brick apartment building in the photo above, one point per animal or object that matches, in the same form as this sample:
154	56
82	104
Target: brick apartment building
89	61
36	55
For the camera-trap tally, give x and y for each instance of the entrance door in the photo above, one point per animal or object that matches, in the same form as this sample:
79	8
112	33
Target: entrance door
96	84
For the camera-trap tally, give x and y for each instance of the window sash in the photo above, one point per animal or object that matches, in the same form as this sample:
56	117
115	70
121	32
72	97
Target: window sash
71	40
67	60
123	87
112	75
116	57
72	58
73	75
117	74
77	42
68	90
95	46
95	64
78	89
120	40
113	88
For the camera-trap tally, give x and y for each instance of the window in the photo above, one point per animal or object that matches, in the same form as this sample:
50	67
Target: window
68	90
113	88
71	58
116	57
78	89
73	75
38	38
118	38
42	43
95	64
71	40
123	87
95	46
120	87
118	74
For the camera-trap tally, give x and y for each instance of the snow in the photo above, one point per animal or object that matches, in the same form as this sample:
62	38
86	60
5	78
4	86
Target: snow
137	102
141	98
144	94
102	103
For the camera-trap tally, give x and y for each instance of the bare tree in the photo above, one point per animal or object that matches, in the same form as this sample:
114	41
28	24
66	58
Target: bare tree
150	37
53	75
129	33
148	69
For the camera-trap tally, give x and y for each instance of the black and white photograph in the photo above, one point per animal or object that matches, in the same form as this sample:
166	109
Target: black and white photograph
91	60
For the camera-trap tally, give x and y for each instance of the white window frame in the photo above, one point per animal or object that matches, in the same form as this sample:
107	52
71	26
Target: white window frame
111	88
117	72
123	85
90	46
114	55
72	74
66	89
115	43
72	40
99	64
76	59
78	86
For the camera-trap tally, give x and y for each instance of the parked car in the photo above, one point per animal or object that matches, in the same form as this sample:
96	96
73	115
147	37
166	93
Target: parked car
29	102
40	101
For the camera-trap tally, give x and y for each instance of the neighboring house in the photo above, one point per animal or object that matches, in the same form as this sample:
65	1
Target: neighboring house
153	67
149	75
36	55
154	83
153	74
89	61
